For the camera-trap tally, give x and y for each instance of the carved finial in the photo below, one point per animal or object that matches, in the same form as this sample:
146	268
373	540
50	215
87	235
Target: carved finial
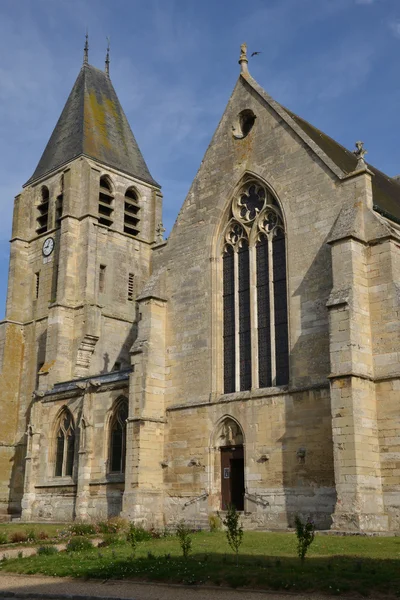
86	49
160	231
107	69
243	60
360	152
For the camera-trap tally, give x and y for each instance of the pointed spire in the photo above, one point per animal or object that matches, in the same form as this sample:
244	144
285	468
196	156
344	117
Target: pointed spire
243	60
107	66
86	49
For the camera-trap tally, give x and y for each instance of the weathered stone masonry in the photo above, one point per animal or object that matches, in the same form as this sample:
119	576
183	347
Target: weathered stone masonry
127	317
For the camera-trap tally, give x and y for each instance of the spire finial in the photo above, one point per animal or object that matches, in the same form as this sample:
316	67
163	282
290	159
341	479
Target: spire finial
360	152
243	60
107	68
86	49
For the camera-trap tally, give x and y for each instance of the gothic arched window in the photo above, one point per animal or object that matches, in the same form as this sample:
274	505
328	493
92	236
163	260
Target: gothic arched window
255	321
65	445
118	437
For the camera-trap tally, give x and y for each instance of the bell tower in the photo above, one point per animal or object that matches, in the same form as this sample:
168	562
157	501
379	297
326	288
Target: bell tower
83	228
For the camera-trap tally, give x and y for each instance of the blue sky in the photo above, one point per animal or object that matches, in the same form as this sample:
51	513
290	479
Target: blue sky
174	65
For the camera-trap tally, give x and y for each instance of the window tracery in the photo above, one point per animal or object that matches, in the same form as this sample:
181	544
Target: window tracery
65	445
255	324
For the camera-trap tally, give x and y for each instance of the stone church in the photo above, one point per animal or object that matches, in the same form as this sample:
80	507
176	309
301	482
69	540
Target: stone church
252	358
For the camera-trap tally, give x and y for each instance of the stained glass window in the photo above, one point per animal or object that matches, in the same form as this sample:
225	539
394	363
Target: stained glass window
229	320
65	445
255	240
118	438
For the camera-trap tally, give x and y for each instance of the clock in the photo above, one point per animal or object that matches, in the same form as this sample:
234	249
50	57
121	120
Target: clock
48	246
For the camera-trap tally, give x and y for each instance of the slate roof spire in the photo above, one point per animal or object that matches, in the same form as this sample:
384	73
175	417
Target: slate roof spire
93	124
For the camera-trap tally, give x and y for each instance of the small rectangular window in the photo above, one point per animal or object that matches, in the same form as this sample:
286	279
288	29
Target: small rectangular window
102	278
37	284
130	287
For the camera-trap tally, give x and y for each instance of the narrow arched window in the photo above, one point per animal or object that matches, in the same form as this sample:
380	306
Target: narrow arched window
106	202
65	445
43	210
118	437
131	212
255	319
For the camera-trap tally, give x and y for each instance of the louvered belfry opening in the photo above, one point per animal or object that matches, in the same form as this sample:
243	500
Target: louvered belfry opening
106	202
255	314
131	212
59	202
43	210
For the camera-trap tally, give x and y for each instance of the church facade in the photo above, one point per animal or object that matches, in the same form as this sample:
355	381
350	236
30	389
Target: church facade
253	358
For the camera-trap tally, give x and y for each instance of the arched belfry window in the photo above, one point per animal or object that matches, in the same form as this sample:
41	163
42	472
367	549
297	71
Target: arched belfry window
131	212
65	445
255	322
106	202
42	220
118	437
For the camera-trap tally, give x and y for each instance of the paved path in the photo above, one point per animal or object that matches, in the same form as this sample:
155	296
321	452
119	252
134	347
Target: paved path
39	587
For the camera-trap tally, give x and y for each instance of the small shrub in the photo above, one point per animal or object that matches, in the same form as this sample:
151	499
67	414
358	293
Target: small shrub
78	544
3	538
214	521
42	535
185	541
234	530
150	556
305	533
82	529
113	525
132	538
141	534
18	536
111	539
20	554
31	535
47	550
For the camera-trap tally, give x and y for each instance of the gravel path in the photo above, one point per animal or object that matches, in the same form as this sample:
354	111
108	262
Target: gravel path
33	586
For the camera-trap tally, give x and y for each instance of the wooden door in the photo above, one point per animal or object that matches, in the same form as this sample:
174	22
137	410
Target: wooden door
232	477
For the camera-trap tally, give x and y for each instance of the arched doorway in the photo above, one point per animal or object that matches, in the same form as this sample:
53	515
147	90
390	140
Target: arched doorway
232	465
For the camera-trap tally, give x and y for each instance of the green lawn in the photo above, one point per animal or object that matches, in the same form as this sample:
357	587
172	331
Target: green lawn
266	560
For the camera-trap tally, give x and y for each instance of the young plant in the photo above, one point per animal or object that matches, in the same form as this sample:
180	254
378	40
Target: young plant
185	541
132	538
305	533
234	530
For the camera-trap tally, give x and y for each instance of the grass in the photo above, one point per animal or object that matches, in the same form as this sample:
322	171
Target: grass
266	560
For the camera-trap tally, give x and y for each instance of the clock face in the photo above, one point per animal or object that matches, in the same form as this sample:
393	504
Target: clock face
48	246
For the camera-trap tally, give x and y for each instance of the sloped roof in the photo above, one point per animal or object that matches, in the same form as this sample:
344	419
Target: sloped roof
93	124
386	190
